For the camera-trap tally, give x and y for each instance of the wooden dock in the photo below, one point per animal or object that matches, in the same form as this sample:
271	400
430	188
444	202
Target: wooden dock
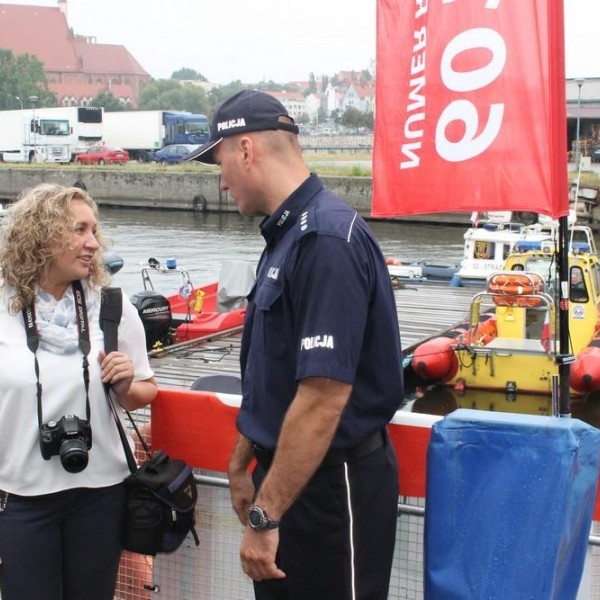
423	311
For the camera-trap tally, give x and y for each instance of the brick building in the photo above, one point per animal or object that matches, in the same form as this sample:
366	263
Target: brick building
77	67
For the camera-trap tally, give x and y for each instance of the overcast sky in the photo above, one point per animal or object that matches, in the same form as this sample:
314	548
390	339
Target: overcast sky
279	40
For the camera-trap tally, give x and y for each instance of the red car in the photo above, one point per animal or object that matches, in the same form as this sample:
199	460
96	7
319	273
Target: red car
103	155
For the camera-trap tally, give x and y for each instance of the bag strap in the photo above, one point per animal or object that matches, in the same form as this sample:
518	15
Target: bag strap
111	310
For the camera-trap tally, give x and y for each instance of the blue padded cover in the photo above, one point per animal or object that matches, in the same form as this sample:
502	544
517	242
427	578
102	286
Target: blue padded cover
509	506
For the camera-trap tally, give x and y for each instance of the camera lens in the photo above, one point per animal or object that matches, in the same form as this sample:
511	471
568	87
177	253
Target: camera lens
73	455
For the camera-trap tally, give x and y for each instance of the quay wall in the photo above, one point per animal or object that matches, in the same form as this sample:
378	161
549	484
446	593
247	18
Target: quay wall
180	190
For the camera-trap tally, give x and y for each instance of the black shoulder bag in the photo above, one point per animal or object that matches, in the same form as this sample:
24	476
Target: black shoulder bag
161	493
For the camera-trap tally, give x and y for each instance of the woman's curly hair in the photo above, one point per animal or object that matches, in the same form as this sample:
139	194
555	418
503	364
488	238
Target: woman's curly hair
40	224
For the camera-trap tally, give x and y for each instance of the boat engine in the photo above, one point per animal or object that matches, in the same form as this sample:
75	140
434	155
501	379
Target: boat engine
155	313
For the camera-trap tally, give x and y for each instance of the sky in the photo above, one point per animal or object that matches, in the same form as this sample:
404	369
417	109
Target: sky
279	40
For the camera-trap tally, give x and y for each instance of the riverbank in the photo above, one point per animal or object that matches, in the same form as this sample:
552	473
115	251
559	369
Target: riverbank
194	188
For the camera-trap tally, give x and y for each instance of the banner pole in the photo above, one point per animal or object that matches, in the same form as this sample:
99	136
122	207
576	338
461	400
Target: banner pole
564	357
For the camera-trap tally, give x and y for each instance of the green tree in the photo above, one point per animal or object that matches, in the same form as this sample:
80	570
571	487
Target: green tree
188	74
23	76
218	95
336	115
170	94
324	83
312	83
109	102
352	117
322	114
271	85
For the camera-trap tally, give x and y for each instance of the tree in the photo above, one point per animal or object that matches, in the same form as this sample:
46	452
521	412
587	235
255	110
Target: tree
312	83
109	102
170	94
188	74
322	114
352	117
23	76
266	86
217	96
366	76
324	83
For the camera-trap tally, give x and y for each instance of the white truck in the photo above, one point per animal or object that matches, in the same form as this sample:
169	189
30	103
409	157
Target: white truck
48	134
142	132
86	127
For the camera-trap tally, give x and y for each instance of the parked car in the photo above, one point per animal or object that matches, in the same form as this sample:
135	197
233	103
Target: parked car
174	153
103	155
596	154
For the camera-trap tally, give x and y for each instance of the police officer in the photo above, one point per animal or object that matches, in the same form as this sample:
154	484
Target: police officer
321	372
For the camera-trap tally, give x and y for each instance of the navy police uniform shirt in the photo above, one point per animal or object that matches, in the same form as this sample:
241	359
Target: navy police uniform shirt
322	306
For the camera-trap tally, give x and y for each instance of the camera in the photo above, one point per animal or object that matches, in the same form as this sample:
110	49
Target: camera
70	438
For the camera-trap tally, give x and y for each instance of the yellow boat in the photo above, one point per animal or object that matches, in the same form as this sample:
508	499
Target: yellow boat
508	342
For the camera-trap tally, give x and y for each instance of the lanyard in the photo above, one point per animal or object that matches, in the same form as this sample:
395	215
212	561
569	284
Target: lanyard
33	342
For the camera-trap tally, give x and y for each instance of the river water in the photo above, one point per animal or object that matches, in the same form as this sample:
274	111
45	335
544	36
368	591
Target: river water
200	242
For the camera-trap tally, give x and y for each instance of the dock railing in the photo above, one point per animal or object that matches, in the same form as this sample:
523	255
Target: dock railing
200	428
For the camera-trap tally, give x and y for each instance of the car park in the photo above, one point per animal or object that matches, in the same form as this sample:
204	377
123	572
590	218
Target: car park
103	155
173	154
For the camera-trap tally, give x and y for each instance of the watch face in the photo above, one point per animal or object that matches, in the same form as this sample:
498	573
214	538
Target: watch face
255	518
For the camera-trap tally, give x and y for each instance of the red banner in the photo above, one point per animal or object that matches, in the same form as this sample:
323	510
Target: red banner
470	107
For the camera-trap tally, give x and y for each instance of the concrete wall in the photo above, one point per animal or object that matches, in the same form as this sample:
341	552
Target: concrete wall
177	190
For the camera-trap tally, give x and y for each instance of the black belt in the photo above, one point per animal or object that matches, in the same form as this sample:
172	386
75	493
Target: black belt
335	456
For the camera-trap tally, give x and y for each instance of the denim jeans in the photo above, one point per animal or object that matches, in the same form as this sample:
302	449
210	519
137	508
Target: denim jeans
61	546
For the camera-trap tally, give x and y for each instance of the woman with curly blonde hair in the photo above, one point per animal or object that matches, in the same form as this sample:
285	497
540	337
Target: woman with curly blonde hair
61	461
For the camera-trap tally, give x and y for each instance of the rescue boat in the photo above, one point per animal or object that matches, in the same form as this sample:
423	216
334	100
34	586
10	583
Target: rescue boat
508	343
192	311
402	272
487	243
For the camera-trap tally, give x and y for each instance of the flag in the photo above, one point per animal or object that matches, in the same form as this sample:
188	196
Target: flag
470	107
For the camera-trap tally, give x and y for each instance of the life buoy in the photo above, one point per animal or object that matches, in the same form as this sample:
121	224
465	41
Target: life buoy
516	289
516	283
522	301
199	203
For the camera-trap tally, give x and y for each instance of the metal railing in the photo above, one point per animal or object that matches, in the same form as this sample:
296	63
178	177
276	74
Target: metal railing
212	571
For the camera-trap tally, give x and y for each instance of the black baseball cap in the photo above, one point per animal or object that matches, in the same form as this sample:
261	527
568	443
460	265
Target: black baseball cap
248	110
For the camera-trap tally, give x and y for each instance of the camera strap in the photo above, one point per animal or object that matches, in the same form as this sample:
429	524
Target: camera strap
33	342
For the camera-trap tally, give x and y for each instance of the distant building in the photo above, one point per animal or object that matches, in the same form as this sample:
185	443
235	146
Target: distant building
583	101
77	68
313	104
294	102
360	96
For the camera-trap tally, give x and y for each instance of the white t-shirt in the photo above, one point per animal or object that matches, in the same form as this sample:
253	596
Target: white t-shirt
23	470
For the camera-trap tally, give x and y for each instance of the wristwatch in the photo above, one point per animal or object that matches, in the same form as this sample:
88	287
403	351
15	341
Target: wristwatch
259	520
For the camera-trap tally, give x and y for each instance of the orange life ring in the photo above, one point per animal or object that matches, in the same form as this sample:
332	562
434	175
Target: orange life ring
516	289
523	301
508	283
